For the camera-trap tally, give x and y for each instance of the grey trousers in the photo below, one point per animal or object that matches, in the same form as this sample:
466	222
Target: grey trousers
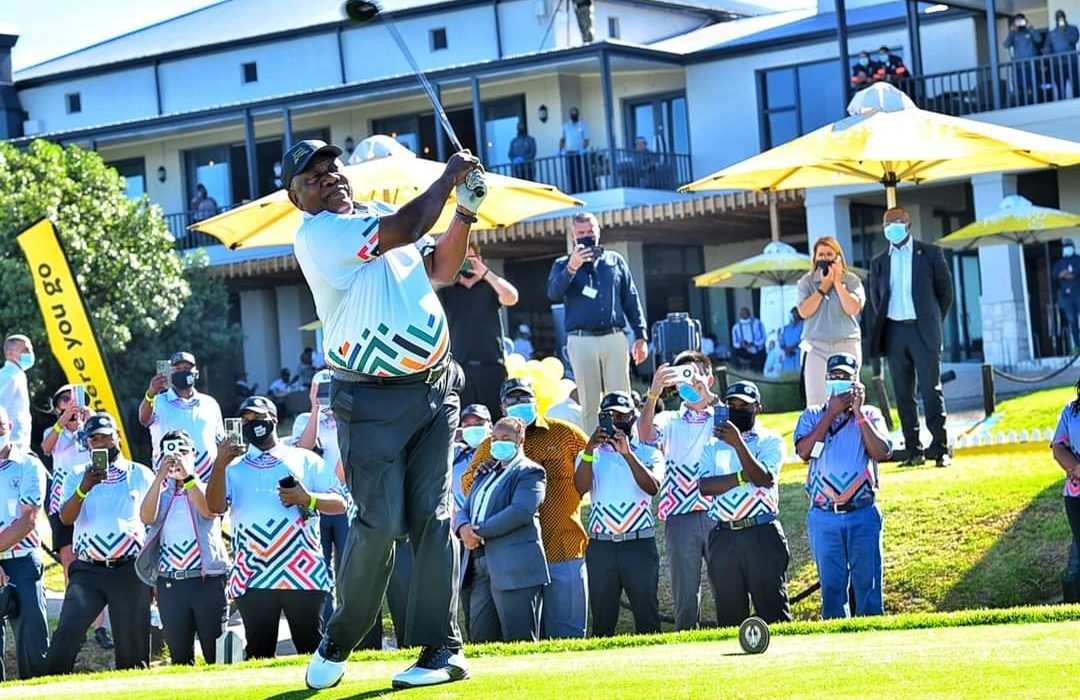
395	445
687	540
501	616
910	358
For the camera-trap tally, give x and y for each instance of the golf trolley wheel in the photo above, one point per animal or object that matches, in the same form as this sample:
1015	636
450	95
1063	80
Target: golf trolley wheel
754	635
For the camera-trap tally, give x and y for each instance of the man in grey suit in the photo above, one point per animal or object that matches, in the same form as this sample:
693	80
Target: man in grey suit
911	291
505	568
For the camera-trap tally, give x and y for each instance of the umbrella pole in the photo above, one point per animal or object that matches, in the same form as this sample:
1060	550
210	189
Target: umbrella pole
774	216
1027	305
890	196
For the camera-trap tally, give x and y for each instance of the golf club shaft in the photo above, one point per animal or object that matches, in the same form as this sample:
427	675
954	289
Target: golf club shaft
391	26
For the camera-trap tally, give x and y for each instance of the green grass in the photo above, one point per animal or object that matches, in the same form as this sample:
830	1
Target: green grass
914	656
1039	409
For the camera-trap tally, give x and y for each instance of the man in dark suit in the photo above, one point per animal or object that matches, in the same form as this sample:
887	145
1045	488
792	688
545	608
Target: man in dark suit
911	291
505	568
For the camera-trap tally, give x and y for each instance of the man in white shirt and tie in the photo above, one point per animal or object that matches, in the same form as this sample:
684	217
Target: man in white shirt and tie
911	292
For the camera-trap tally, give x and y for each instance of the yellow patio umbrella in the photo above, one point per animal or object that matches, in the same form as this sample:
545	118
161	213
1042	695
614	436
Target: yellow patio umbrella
391	174
1016	220
887	139
778	264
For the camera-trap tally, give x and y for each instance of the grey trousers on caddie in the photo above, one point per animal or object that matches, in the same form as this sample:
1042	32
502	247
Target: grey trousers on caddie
395	446
686	538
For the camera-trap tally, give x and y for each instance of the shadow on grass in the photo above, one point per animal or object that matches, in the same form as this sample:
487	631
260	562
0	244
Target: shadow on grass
1024	565
305	694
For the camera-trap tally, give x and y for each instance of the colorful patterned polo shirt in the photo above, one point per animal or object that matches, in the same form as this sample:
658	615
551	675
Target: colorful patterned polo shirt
681	436
22	483
70	449
745	501
619	505
844	473
380	314
1068	433
108	526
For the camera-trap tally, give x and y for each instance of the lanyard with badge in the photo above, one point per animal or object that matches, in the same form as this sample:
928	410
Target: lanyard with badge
819	447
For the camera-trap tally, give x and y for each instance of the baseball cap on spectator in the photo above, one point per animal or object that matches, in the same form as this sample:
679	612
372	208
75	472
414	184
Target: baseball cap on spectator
843	362
518	384
618	401
259	405
295	160
100	423
477	409
182	356
744	391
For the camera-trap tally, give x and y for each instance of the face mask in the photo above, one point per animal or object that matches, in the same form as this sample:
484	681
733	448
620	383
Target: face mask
688	393
473	435
26	360
626	427
587	241
895	232
1068	251
837	386
824	265
258	432
864	61
504	450
1021	23
114	452
574	118
883	56
524	411
184	379
742	418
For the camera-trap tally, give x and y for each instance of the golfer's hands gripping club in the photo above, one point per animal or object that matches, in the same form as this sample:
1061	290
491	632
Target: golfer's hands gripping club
468	175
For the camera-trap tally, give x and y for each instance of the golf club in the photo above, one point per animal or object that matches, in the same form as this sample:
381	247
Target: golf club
362	13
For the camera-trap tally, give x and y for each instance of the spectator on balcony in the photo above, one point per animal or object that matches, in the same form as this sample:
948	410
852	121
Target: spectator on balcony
642	168
523	153
864	70
574	145
203	206
1062	40
1023	43
890	67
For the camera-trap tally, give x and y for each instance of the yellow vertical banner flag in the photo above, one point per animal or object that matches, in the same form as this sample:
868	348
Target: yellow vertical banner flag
67	324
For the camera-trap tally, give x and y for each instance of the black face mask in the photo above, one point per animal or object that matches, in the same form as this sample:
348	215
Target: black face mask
587	241
742	418
824	265
184	379
574	118
626	427
258	432
114	452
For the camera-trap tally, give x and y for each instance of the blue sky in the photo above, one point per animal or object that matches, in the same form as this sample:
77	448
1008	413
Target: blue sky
50	28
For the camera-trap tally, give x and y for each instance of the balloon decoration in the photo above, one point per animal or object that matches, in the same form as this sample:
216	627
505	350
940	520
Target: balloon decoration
546	376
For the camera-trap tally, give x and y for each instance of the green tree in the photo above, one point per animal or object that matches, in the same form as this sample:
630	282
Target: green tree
122	257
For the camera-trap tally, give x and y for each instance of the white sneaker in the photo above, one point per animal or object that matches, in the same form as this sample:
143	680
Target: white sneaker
327	666
436	665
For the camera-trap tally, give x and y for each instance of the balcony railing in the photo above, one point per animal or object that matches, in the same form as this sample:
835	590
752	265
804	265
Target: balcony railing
1022	82
584	172
188	240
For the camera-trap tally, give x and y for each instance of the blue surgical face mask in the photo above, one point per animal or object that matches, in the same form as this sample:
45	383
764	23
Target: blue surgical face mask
473	435
1068	251
524	411
26	360
688	393
864	61
504	450
896	232
837	386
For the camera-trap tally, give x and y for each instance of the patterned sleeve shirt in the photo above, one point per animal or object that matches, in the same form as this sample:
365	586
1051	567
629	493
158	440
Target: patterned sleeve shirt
274	546
681	436
1068	434
554	445
180	531
108	526
619	504
747	500
199	415
844	473
22	485
380	313
70	449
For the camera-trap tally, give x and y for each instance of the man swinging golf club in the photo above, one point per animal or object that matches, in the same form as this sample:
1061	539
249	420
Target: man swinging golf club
394	393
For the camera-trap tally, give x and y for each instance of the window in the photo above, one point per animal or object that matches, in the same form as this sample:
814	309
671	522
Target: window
795	100
74	102
251	72
438	39
133	171
501	118
613	27
661	120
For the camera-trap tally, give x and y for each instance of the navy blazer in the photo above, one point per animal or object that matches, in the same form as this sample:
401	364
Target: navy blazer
511	530
931	291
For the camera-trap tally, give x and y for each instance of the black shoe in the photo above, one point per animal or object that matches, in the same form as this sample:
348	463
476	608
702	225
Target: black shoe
436	665
332	652
943	461
915	460
101	636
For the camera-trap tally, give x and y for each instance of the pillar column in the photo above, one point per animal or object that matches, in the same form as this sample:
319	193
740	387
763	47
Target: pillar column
828	215
258	322
288	320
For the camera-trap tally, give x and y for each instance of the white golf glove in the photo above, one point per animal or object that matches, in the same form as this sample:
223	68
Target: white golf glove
471	193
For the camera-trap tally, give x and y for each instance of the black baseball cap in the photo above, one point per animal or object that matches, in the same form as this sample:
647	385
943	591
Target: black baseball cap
258	404
99	424
182	356
510	386
296	159
477	409
618	401
744	391
842	362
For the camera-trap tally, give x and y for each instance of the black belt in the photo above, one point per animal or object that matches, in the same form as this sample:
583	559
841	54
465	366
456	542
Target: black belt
912	322
108	563
594	334
429	377
759	519
845	507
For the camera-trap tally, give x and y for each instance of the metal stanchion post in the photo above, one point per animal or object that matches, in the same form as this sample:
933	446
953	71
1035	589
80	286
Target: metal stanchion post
988	389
